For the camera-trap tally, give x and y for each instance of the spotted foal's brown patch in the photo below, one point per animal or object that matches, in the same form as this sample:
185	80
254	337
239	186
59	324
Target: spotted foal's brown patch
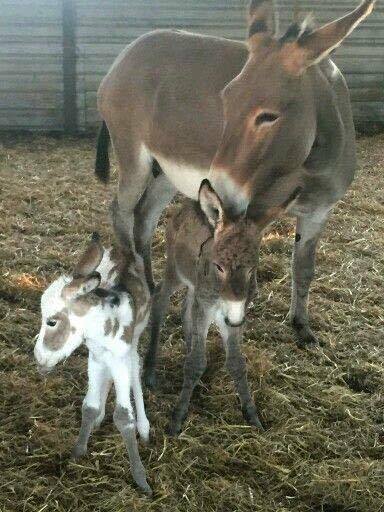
56	337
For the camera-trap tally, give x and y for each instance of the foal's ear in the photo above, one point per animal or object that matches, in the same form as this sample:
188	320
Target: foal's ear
312	47
81	286
91	258
210	203
262	20
274	213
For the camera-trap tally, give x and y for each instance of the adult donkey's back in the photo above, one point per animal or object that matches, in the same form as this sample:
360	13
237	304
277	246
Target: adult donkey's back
260	120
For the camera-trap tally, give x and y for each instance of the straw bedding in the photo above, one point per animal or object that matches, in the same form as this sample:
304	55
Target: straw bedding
323	450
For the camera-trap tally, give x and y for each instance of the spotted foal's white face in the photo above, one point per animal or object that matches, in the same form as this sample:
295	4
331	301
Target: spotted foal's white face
68	308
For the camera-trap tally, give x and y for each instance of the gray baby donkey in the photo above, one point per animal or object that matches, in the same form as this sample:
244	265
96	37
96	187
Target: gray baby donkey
215	257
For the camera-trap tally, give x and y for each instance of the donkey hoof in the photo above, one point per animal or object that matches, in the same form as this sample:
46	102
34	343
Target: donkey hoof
146	489
251	417
309	341
141	482
176	422
255	422
173	429
78	451
144	429
150	379
306	338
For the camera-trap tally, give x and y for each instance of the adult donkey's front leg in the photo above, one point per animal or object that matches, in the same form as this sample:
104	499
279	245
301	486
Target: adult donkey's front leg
308	231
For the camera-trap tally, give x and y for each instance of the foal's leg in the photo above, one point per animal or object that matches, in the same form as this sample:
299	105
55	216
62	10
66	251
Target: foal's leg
236	365
187	318
160	305
194	366
94	403
125	420
158	195
142	420
308	231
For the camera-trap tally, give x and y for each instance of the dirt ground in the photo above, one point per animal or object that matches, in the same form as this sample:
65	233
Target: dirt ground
324	409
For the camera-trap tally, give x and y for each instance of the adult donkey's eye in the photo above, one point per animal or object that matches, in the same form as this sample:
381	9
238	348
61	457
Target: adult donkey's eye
266	118
51	322
220	269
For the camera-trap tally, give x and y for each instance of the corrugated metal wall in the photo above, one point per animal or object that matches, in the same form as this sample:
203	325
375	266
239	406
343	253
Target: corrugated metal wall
31	54
31	83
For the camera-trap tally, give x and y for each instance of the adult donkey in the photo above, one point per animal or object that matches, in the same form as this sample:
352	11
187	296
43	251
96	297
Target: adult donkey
258	119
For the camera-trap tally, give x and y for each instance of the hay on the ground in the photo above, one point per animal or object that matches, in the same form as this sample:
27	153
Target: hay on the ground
323	450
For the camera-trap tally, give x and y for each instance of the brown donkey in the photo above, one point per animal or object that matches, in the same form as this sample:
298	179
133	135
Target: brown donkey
258	119
215	257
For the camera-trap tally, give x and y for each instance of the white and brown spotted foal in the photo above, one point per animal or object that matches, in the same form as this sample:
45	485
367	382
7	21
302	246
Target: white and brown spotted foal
105	304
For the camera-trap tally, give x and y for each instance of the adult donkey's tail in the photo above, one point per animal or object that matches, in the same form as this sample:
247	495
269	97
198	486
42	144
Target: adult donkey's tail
102	156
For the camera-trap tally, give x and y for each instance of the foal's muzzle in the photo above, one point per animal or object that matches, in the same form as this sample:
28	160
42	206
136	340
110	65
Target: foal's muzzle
230	324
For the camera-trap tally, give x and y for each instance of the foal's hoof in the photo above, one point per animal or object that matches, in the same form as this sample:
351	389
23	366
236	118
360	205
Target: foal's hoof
141	481
174	429
146	489
176	424
78	451
144	429
150	379
251	417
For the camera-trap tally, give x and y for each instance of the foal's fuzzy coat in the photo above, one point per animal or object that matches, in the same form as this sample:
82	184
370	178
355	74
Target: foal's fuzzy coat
215	257
105	303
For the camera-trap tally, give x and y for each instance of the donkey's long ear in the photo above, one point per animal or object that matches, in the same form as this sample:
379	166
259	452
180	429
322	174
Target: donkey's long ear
274	213
210	203
313	46
91	258
262	20
81	286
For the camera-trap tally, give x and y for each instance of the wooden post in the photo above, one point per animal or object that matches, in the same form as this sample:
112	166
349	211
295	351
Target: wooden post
69	66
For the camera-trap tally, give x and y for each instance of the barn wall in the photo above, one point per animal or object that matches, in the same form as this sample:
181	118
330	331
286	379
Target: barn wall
31	89
104	31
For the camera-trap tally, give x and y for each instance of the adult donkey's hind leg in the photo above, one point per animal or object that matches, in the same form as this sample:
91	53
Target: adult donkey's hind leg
158	195
135	172
308	231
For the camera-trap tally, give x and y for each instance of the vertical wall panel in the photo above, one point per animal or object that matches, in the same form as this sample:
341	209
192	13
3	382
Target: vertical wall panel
32	88
31	84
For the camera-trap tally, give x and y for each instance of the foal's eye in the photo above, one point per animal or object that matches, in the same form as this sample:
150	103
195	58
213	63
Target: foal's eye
220	269
51	323
266	118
